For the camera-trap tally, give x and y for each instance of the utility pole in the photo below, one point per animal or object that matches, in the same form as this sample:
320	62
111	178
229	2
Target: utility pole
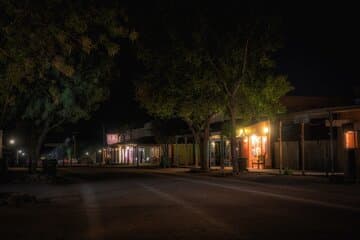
280	147
331	143
103	134
302	139
74	145
1	144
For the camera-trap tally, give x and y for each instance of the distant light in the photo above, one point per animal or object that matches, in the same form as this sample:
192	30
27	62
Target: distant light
266	130
99	151
23	154
12	141
87	153
19	151
213	144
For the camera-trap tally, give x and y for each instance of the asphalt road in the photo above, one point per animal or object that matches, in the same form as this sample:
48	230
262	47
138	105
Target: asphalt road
146	204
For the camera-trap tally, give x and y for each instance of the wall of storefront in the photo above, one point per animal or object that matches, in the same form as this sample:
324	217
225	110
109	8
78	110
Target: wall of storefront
132	155
185	154
317	156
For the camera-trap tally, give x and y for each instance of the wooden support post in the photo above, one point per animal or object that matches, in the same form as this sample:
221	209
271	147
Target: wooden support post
331	143
302	149
1	144
268	147
280	147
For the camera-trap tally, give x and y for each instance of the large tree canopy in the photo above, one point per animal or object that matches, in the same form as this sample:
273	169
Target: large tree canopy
57	56
177	86
233	51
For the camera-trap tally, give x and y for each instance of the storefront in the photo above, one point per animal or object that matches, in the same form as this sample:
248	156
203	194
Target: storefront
132	154
219	150
254	145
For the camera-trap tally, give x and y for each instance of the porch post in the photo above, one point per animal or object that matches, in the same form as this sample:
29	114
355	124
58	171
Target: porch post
331	143
1	149
269	143
280	147
302	149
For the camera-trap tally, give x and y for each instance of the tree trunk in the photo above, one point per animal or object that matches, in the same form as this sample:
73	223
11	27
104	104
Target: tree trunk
165	155
222	153
205	162
233	144
197	142
36	148
3	161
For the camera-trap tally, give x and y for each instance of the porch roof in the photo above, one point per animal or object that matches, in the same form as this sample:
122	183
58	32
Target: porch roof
304	116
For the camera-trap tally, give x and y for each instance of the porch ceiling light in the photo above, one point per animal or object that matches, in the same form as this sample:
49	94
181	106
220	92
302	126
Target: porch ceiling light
266	130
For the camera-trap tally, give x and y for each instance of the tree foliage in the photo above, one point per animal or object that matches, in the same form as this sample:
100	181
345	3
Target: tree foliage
235	53
56	57
178	85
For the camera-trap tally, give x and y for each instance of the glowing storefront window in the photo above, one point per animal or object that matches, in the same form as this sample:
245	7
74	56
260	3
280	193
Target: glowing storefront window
351	140
255	145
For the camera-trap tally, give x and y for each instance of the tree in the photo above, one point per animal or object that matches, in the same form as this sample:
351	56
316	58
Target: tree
178	84
239	50
61	52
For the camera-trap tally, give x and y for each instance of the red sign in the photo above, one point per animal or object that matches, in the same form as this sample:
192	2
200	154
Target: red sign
112	139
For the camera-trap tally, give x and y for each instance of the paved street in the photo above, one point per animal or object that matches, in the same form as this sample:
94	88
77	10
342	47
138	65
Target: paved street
152	204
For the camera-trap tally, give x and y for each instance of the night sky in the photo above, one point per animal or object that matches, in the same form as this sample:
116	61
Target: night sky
320	57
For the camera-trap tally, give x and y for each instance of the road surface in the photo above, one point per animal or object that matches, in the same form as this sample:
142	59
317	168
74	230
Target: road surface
147	204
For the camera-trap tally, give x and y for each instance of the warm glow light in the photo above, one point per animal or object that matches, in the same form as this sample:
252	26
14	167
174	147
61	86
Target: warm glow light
12	141
213	144
254	138
240	132
246	140
351	140
87	153
99	151
266	130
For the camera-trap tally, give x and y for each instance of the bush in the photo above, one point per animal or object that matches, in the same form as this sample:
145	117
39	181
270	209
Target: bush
288	171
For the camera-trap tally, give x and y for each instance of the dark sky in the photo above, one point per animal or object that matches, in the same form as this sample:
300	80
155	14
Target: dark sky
320	57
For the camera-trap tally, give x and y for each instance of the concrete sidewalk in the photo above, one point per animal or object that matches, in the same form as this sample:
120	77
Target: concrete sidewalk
276	171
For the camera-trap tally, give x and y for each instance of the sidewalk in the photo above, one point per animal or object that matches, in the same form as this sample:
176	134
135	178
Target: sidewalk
274	171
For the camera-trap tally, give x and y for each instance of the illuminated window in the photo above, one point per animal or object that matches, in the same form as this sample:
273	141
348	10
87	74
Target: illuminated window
351	140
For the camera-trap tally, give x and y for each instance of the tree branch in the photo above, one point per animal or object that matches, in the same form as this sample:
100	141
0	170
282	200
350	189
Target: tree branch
56	124
5	53
218	73
243	69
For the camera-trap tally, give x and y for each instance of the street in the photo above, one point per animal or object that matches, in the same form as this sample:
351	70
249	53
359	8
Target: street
151	204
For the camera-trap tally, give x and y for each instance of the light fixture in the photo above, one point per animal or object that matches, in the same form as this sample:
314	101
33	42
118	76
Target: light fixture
12	141
266	130
87	153
99	151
